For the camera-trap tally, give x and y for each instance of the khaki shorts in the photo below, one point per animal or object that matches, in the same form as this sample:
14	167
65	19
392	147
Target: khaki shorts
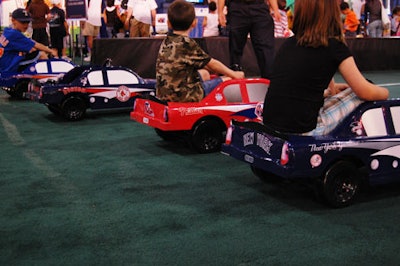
90	30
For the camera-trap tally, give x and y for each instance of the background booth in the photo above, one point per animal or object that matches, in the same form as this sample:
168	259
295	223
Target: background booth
140	54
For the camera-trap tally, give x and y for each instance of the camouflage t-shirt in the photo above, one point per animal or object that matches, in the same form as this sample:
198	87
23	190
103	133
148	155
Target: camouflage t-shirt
178	60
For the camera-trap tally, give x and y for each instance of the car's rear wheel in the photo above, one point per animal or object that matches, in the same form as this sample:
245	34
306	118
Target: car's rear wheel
341	184
74	108
207	136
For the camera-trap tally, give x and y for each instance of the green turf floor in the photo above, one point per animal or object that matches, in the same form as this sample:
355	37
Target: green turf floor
108	191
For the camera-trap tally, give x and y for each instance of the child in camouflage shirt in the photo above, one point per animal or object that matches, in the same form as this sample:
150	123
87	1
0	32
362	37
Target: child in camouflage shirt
182	67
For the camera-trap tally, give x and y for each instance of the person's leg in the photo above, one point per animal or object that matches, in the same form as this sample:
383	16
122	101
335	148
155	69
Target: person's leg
210	85
144	30
334	110
239	27
372	28
134	28
204	74
262	38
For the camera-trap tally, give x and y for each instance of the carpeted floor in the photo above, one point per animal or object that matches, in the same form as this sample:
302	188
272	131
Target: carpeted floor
108	191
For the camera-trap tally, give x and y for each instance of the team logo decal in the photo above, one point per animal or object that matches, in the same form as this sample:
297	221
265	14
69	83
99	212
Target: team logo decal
315	160
123	93
218	97
147	109
258	111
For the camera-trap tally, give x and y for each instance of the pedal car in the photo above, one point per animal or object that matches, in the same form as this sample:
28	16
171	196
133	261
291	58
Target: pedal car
16	84
365	146
95	87
203	124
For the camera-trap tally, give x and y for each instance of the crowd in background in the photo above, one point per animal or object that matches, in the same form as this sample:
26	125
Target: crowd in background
137	18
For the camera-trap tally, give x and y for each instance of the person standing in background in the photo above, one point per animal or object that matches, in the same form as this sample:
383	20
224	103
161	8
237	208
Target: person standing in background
395	22
351	22
250	17
281	28
91	27
210	21
143	14
58	27
111	17
372	13
39	11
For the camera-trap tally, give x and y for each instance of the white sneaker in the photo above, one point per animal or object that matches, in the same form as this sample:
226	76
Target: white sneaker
87	58
66	58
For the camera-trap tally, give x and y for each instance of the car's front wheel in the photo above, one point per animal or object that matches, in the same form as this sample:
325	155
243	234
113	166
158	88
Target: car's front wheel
341	184
19	89
74	108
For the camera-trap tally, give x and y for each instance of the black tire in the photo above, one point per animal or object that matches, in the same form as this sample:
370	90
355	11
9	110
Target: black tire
74	108
207	136
19	89
341	184
265	176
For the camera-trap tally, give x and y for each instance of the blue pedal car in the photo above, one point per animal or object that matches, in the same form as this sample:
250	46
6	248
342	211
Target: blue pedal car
16	83
365	146
91	87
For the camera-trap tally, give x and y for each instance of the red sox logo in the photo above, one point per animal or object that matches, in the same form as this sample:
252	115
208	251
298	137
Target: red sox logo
123	93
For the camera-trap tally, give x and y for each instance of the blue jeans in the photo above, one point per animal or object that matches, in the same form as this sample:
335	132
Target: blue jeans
209	85
375	29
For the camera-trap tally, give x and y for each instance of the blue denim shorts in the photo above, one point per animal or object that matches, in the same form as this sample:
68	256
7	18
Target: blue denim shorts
209	85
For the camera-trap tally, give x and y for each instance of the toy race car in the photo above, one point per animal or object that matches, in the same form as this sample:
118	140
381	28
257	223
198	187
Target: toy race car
95	87
16	84
204	123
365	146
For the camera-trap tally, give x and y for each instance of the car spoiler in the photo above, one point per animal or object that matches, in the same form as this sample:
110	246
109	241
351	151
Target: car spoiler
151	98
260	127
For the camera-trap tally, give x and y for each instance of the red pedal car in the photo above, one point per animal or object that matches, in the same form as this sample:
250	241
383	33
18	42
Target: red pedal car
203	124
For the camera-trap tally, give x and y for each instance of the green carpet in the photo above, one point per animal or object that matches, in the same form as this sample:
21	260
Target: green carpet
108	191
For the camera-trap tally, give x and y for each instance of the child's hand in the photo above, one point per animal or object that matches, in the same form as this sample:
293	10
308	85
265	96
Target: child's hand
54	53
238	75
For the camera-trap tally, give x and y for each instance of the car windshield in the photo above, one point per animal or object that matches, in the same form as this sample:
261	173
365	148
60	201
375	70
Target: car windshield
73	74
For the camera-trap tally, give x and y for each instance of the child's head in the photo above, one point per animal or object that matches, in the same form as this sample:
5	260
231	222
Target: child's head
20	19
311	28
396	11
110	3
181	15
344	6
212	6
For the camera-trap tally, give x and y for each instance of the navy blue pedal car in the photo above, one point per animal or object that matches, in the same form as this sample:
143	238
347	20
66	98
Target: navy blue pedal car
91	87
364	147
16	83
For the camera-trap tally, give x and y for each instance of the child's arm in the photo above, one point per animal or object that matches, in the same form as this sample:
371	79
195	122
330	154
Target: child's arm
216	66
41	47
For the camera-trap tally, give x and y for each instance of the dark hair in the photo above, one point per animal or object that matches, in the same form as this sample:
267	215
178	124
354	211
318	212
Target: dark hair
315	22
212	6
110	3
396	10
181	15
344	6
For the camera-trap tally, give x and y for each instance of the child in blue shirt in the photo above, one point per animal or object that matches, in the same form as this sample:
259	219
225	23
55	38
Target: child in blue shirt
17	50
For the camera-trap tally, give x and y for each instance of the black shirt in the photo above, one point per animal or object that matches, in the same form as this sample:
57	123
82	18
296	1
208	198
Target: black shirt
299	77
